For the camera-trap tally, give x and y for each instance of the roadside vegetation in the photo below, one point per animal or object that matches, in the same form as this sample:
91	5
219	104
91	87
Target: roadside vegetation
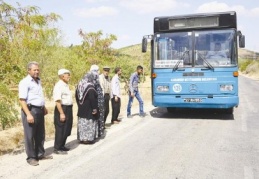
249	62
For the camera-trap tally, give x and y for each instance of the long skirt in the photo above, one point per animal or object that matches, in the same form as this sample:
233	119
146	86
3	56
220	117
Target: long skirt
101	123
87	129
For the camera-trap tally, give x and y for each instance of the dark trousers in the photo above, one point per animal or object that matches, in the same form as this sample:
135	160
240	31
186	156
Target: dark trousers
106	106
115	108
62	129
34	134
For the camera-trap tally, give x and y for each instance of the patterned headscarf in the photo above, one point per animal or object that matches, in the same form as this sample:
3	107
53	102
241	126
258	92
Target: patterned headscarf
87	81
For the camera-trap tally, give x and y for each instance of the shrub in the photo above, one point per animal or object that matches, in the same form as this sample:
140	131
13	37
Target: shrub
252	67
8	114
243	63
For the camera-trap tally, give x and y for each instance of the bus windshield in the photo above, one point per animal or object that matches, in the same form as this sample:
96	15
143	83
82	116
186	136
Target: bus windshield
215	48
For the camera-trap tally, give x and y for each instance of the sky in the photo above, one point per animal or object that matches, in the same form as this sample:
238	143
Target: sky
130	20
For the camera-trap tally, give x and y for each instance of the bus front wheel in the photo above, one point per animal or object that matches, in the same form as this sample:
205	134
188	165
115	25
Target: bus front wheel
229	111
171	110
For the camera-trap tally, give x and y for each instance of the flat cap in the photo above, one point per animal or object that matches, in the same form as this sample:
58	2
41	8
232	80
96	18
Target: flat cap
106	68
63	71
94	68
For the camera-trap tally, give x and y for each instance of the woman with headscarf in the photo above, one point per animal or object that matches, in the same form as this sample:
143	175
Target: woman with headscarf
88	112
94	70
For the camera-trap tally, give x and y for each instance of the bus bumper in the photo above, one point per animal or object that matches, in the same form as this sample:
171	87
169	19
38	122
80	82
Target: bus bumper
217	102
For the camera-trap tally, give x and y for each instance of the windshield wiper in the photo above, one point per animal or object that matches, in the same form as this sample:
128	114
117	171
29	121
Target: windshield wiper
204	59
176	65
181	59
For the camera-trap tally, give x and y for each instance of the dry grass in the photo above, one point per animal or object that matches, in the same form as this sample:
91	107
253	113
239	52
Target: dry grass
11	139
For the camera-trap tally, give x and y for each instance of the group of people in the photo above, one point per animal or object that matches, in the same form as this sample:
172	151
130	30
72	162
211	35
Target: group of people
93	95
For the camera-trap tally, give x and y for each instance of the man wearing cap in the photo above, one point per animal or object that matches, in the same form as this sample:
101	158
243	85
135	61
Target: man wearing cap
33	110
105	83
63	114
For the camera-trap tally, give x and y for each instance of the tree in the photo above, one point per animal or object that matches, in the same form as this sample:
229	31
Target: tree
96	49
25	36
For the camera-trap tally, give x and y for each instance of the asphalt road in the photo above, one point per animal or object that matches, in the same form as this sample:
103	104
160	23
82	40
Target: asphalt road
189	144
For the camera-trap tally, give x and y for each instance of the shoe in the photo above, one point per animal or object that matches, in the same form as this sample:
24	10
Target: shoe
115	122
142	115
129	116
33	162
87	142
65	148
60	152
45	157
118	120
107	126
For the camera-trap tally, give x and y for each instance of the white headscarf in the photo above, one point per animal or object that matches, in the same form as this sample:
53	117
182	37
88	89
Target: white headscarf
94	68
87	81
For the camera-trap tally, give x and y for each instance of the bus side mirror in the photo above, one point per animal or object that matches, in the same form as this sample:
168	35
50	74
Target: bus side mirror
241	41
144	45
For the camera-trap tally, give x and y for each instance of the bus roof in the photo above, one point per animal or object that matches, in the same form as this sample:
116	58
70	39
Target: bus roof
195	21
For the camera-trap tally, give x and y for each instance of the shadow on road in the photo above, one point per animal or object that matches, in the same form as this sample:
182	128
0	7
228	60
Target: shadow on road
211	114
71	145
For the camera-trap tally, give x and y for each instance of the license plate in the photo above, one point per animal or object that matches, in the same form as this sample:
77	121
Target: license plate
193	100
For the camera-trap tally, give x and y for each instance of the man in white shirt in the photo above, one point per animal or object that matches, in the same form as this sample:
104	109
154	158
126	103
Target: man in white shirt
32	101
116	96
63	114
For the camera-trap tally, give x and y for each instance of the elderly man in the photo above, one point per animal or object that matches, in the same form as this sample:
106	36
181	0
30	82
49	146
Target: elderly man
105	83
33	110
63	114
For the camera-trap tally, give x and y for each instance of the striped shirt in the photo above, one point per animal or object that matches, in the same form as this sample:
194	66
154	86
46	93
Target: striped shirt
105	84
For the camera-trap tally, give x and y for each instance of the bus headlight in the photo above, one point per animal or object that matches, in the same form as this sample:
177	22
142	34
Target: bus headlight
226	87
162	88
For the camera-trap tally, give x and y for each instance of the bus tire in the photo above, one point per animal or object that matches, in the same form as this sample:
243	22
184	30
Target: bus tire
171	109
229	111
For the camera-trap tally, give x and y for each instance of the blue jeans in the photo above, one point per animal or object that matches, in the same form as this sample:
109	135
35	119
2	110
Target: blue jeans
141	103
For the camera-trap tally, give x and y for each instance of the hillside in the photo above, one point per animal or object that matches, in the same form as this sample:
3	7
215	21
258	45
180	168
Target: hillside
134	51
247	54
131	56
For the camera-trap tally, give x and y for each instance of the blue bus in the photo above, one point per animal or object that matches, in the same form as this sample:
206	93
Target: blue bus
194	61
